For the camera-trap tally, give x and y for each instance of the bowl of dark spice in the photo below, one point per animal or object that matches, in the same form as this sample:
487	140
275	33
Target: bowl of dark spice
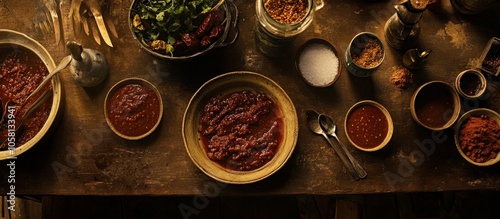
435	105
318	63
364	54
133	108
490	58
477	136
470	84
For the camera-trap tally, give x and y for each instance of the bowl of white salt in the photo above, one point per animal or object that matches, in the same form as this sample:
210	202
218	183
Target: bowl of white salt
318	63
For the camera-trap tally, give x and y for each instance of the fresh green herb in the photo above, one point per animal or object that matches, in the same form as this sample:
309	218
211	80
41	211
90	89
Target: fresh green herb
167	20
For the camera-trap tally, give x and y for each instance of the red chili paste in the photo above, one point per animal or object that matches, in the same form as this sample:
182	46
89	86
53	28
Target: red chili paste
133	109
241	131
21	71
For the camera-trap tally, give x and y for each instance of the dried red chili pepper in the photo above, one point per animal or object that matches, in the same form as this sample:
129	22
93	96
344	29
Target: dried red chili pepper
204	26
205	41
216	32
190	41
179	44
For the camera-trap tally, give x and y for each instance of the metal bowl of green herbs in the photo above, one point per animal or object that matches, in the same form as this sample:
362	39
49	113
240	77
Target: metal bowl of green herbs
182	30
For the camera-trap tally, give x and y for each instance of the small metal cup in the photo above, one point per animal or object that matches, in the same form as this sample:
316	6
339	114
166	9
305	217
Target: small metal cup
356	45
480	90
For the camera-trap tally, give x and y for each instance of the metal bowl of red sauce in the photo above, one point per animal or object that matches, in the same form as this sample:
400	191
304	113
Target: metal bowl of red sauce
23	64
477	136
435	105
368	126
240	127
133	108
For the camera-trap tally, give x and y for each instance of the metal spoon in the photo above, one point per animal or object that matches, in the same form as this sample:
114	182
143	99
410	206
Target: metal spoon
328	125
5	110
63	64
314	126
1	111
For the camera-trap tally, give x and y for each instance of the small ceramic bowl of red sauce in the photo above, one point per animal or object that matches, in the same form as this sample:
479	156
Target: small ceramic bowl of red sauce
133	108
435	105
368	126
470	84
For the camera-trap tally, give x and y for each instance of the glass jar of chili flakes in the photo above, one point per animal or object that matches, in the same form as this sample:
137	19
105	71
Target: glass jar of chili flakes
280	21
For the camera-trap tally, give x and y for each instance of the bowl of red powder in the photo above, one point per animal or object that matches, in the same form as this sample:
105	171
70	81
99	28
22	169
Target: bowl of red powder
477	136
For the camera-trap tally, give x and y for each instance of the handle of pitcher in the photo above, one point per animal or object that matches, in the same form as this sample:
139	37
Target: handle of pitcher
319	4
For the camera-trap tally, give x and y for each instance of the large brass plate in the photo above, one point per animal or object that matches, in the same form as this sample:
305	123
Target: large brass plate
226	84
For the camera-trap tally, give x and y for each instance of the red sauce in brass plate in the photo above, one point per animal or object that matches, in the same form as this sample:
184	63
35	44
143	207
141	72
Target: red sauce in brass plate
133	109
241	131
367	126
21	71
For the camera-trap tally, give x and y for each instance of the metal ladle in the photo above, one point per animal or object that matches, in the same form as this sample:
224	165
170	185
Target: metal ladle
63	64
45	95
314	126
328	125
2	112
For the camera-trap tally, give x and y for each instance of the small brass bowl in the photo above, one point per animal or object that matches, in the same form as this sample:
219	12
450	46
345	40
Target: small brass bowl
475	112
427	108
465	85
122	83
387	115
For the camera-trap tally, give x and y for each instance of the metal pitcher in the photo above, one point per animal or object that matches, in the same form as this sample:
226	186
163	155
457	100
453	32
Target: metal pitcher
403	28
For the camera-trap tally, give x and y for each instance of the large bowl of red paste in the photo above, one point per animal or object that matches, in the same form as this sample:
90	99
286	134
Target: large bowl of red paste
240	127
23	64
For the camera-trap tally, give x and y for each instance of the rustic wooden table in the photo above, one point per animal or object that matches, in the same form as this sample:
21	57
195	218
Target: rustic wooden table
84	157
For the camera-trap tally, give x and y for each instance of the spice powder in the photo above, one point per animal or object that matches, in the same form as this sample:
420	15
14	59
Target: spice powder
370	56
286	11
479	138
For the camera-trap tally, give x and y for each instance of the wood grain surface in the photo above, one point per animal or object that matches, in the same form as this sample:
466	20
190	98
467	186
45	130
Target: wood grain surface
84	157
